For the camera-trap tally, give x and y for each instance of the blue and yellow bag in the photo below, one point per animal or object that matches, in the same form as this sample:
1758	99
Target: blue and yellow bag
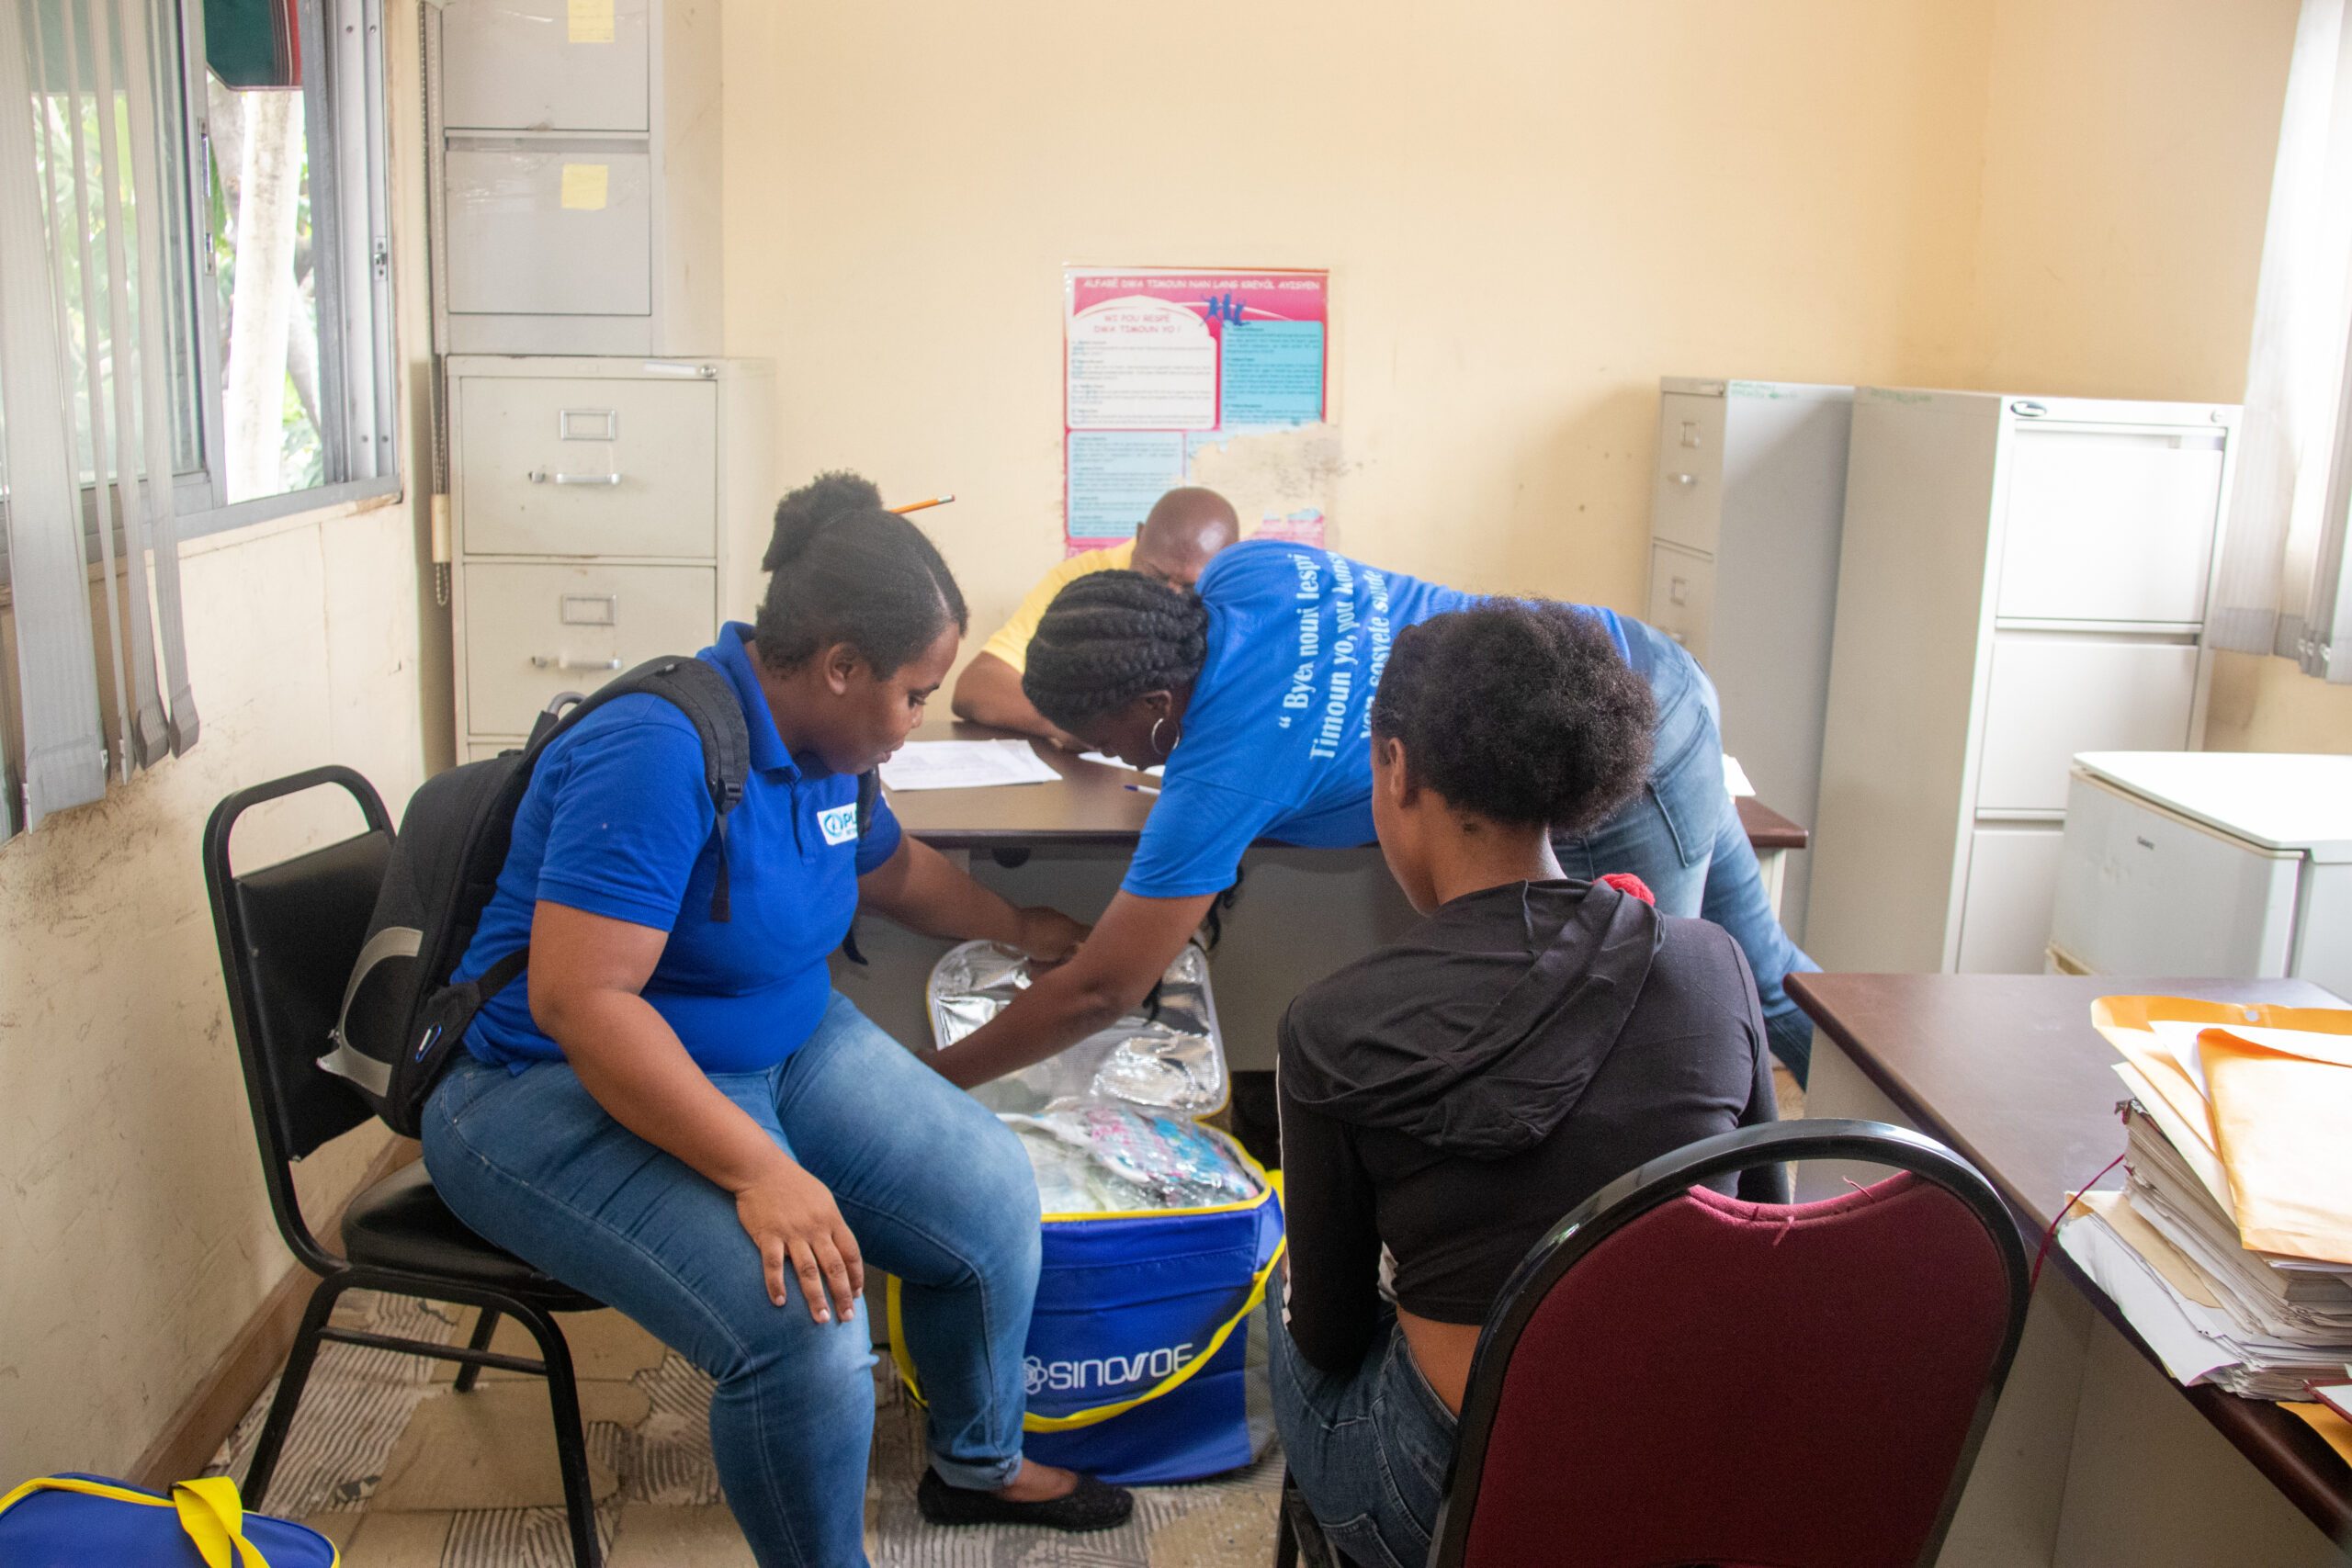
1138	1346
87	1521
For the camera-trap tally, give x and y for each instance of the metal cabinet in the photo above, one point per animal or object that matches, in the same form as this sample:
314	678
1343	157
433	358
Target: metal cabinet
604	511
1746	497
575	175
2019	579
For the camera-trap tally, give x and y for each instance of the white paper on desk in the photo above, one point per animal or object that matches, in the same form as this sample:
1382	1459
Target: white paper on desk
1735	776
2168	1322
1160	772
966	764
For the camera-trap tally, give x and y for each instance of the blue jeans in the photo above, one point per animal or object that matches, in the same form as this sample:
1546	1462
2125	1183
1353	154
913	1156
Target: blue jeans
1681	836
935	1189
1368	1446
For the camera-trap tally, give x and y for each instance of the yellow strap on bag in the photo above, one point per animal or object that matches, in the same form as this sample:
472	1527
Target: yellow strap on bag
214	1517
1032	1422
211	1513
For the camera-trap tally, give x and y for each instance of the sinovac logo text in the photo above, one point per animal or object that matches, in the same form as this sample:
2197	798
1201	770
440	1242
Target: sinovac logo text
1105	1372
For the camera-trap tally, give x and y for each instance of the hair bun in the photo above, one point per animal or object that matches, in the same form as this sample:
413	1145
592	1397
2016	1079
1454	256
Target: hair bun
803	514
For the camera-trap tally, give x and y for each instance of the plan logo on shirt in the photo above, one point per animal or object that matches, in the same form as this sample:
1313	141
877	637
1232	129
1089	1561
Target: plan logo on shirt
839	825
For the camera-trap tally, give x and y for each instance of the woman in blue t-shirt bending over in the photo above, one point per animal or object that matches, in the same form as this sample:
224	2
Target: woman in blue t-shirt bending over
681	1117
1256	692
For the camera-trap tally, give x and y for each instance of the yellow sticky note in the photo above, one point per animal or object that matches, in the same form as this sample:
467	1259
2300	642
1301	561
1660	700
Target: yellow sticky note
588	21
583	186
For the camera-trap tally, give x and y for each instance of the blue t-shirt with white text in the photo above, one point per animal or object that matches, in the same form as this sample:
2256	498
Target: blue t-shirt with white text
1277	736
618	822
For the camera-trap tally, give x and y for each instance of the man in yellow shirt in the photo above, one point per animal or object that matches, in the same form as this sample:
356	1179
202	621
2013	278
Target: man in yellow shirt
1185	528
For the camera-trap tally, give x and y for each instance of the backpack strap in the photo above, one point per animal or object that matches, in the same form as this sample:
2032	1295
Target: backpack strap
704	694
870	790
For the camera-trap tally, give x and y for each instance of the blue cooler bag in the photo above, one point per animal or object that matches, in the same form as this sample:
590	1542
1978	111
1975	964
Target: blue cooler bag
1139	1343
87	1521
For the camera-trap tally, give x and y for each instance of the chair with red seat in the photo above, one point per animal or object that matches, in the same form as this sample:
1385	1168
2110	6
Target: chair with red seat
1673	1377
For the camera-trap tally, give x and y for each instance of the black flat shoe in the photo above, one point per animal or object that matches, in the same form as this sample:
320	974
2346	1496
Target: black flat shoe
1094	1506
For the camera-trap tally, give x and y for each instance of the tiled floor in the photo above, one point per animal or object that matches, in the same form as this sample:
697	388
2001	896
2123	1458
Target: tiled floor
402	1472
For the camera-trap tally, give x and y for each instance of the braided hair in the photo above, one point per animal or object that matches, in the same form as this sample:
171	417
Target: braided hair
845	570
1109	637
1520	711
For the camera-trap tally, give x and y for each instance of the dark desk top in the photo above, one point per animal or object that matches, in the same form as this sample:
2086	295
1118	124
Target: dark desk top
1092	806
2006	1069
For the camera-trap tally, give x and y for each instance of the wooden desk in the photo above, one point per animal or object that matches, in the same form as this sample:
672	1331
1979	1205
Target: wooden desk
2006	1069
1303	914
1092	806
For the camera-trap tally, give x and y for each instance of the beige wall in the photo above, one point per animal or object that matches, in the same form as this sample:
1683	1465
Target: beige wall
135	1238
138	1237
1530	211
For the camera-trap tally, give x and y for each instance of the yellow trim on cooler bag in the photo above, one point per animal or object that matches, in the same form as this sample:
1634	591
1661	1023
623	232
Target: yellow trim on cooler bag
209	1509
1270	1191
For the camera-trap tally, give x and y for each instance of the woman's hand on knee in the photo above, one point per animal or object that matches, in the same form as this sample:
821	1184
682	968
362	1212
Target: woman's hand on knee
791	1217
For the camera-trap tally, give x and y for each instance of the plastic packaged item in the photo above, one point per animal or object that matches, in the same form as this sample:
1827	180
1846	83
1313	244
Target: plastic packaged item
1135	1159
1168	1057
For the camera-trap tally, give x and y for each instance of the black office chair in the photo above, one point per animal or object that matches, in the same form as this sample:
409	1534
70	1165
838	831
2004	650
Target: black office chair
1672	1376
288	935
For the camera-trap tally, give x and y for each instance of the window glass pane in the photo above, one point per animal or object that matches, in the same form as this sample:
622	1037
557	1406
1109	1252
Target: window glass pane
265	266
66	105
181	260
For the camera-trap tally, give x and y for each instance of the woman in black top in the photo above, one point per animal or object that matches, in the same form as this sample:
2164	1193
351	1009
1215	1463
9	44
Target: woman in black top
1449	1097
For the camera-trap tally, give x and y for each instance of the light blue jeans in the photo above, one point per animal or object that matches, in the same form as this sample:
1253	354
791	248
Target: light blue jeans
935	1189
1369	1447
1681	836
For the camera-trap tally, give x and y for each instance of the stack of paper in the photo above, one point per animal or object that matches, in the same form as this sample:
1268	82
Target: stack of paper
2229	1247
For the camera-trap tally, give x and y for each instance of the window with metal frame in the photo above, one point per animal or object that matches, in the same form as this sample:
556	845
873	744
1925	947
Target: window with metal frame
202	317
286	174
289	222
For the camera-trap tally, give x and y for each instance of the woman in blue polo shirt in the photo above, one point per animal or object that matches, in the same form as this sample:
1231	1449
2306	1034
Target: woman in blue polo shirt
683	1118
1256	692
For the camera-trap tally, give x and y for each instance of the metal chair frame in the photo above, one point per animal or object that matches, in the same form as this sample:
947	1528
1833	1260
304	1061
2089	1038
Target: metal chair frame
337	1273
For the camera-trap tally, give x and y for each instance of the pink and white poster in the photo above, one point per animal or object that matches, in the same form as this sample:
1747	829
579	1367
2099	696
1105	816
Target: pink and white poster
1194	376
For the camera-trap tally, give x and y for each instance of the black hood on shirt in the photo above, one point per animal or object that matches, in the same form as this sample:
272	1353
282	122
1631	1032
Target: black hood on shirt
1471	1045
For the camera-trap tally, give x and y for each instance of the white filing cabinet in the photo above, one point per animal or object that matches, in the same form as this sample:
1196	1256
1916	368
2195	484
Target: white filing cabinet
2019	579
602	512
575	175
1748	492
2234	864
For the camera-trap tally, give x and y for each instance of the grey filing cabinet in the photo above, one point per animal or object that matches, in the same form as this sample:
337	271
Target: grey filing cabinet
575	173
602	512
1746	499
2021	578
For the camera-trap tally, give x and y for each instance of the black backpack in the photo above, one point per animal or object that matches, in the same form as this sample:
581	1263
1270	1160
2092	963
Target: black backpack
402	1017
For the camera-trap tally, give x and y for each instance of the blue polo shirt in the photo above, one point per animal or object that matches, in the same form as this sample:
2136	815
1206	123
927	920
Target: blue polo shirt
1277	737
616	822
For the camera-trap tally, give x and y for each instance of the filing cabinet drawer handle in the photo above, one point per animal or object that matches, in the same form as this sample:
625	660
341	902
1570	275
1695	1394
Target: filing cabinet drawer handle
541	477
557	661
